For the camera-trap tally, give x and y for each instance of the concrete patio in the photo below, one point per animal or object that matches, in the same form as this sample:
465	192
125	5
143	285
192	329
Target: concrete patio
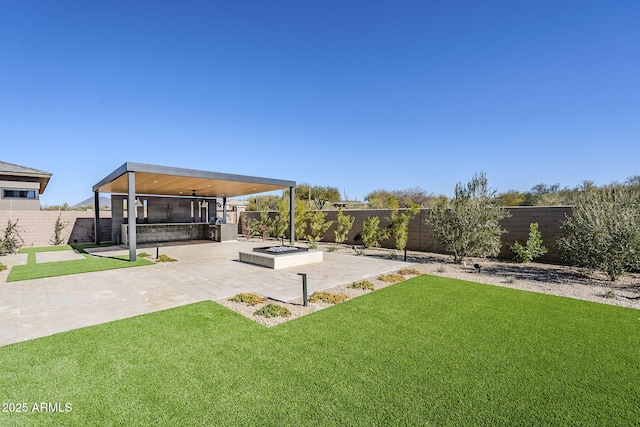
204	271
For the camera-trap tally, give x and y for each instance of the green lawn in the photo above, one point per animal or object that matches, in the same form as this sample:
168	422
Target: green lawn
33	270
428	351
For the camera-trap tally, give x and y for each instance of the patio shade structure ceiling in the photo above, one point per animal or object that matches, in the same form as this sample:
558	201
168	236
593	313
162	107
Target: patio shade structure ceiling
170	181
134	179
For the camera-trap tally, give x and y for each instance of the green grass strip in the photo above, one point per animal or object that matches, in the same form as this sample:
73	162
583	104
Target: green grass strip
33	270
428	351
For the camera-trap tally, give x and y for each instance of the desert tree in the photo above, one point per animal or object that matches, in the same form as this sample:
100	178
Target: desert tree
469	224
318	225
532	249
603	231
11	240
343	226
58	228
399	221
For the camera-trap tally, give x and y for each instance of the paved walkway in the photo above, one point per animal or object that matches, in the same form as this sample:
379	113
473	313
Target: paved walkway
204	271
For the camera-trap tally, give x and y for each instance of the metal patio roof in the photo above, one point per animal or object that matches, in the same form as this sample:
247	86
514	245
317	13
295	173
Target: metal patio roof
172	181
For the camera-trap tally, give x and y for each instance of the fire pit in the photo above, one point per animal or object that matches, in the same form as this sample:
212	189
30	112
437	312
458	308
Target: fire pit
281	256
280	250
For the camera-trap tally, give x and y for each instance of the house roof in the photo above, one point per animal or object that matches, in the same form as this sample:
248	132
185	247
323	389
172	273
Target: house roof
17	170
170	181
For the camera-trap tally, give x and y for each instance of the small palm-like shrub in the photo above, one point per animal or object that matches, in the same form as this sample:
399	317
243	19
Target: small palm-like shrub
2	267
248	298
273	310
327	297
144	255
166	258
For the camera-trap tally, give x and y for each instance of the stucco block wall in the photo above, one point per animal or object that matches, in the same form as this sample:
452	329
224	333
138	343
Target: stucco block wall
549	219
37	227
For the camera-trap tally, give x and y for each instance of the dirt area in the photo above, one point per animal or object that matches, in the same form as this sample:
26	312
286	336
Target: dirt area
551	279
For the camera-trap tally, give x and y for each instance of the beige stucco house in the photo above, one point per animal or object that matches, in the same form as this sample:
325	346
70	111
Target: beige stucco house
20	187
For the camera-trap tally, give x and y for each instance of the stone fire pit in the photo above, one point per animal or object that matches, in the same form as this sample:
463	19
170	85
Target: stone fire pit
281	256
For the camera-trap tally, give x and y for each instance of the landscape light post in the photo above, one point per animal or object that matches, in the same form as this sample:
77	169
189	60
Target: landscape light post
304	289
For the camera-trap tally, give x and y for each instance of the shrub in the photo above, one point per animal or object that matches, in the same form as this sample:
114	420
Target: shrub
409	271
264	225
534	247
11	241
165	258
318	225
327	297
144	255
371	233
603	231
58	228
391	278
248	298
469	224
2	267
332	248
399	222
273	310
250	226
280	222
363	284
343	226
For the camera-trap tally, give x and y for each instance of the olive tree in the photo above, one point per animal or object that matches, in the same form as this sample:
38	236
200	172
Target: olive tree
603	231
469	224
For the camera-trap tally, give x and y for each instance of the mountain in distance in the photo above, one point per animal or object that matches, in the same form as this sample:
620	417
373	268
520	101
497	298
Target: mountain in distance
103	201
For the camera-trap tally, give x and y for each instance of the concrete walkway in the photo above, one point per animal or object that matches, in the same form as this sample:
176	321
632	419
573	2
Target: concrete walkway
204	271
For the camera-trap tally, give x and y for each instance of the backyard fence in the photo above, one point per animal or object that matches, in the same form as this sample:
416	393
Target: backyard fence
37	227
549	219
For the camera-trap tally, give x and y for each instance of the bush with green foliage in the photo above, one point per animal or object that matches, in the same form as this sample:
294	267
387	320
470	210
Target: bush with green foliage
603	231
248	298
165	258
469	224
300	221
318	225
264	224
532	249
2	267
343	226
327	297
371	233
399	222
58	228
144	255
250	226
280	222
273	310
11	240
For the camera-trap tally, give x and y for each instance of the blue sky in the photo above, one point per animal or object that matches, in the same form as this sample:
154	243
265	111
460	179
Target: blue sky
359	95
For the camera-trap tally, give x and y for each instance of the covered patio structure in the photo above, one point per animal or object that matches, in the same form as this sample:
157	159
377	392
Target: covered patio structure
138	180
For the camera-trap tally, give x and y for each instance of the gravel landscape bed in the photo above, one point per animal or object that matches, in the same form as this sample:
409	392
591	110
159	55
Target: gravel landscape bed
550	279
